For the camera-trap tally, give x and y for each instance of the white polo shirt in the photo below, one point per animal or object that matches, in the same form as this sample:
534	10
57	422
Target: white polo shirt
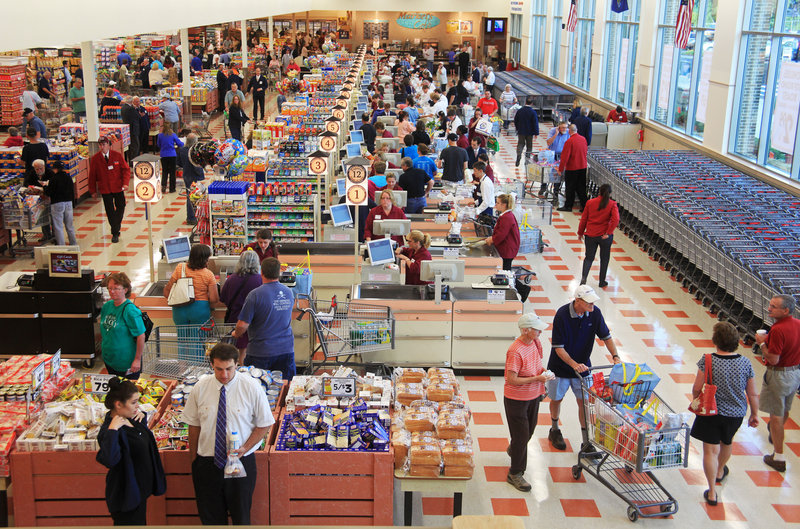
247	409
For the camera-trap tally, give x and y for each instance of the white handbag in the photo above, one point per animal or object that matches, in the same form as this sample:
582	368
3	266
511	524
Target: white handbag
182	292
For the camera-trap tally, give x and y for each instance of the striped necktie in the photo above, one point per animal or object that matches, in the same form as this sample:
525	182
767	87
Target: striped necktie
221	437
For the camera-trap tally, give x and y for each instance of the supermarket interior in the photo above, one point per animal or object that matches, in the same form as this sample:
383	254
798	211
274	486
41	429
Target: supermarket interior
435	186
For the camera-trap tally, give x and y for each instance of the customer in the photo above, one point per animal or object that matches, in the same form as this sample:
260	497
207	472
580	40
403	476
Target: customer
573	166
617	116
14	139
411	110
733	375
35	149
168	143
487	104
39	176
781	350
599	220
77	96
484	190
156	76
264	245
420	135
61	190
522	393
266	317
453	160
34	122
526	121
236	117
109	175
258	87
507	100
219	405
385	210
130	117
412	254
246	277
369	132
425	162
108	100
575	327
144	126
191	173
473	123
30	99
128	449
45	88
403	124
417	184
234	91
584	125
556	138
409	150
172	112
223	84
206	295
121	329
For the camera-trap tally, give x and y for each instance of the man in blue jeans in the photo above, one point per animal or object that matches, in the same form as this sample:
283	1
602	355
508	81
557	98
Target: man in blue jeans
267	318
417	183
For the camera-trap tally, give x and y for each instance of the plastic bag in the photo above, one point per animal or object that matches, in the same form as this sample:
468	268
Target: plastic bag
234	468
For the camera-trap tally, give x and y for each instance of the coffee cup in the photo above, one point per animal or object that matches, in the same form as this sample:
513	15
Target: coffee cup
761	332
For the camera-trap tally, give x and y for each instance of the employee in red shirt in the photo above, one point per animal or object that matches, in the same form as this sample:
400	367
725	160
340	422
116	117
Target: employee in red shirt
573	167
413	253
505	237
617	116
487	104
599	220
385	210
109	175
264	246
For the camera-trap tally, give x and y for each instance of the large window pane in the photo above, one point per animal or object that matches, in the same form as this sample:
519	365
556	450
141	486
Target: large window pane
620	54
753	82
555	51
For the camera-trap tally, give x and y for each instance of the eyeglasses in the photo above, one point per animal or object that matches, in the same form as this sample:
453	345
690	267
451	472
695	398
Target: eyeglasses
117	287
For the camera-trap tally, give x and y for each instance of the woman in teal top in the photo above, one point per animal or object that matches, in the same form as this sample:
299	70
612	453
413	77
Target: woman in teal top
122	329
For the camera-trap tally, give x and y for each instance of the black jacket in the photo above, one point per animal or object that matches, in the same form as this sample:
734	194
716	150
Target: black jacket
191	172
584	125
60	188
255	84
369	136
130	116
32	179
237	118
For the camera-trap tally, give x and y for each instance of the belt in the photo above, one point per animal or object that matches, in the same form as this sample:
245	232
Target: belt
785	368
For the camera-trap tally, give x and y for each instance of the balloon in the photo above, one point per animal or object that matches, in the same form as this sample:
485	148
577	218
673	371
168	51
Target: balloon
224	153
238	165
203	153
238	146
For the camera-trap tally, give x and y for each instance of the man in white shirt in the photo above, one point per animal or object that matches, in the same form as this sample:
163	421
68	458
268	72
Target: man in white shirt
219	405
484	192
428	54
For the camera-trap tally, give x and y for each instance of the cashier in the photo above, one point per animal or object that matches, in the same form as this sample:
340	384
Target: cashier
264	245
413	253
617	116
386	210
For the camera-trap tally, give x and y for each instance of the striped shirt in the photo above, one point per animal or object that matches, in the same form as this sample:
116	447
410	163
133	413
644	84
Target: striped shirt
525	361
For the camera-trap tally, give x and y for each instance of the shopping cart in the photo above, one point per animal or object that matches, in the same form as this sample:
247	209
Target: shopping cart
24	214
347	329
177	351
626	449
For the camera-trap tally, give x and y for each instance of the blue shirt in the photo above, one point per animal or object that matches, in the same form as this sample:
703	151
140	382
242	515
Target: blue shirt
167	144
413	114
411	152
576	335
268	311
123	56
196	63
427	165
379	180
558	144
225	58
38	124
171	111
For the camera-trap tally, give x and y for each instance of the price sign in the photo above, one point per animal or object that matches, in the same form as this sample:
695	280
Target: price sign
451	253
332	126
55	363
339	387
318	165
96	383
37	376
496	296
441	218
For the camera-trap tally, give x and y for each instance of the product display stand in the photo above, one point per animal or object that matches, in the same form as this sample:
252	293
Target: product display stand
409	485
228	214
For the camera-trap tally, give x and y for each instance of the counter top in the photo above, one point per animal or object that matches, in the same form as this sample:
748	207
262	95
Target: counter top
417	292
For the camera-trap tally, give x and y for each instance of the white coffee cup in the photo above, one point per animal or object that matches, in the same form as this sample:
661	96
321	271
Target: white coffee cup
761	332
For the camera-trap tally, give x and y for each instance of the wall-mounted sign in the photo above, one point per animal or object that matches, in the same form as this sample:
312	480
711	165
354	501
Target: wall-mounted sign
459	26
344	35
517	6
417	20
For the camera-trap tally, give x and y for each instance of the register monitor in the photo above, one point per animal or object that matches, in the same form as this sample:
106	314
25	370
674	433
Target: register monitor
353	150
361	107
380	251
341	186
64	264
400	198
391	227
41	254
356	124
357	136
387	120
449	269
340	215
176	249
223	265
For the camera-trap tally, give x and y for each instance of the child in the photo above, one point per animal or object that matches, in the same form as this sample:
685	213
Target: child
14	139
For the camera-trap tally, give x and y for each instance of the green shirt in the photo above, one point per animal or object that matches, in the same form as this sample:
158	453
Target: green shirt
80	105
119	327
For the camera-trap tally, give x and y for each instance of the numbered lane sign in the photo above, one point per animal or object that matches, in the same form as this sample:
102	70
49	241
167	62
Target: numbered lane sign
339	387
356	195
147	178
333	126
327	143
318	165
338	113
95	383
356	174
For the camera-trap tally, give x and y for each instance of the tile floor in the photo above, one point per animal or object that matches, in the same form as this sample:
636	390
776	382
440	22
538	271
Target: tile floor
652	320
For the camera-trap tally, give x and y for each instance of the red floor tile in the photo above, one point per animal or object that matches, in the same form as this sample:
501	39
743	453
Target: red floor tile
101	245
559	267
144	237
683	378
618	250
136	245
689	328
565	277
87	228
539	299
545	445
544	418
580	508
160	222
487	418
632	268
126	254
675	314
660	343
664	301
552	258
632	313
744	448
668	360
172	209
96	221
723	511
495	474
546	312
566	233
643	327
789	513
564	475
767	478
492	444
576	249
509	507
641	278
628	478
91	254
118	263
129	222
437	506
481	396
703	344
794	447
693	476
622	301
623	259
477	378
652	289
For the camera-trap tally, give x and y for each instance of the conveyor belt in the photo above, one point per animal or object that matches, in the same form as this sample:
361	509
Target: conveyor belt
547	95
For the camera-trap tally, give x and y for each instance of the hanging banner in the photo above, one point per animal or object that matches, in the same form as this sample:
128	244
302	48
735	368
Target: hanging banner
787	104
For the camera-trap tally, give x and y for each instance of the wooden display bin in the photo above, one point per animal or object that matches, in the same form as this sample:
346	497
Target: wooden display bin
82	180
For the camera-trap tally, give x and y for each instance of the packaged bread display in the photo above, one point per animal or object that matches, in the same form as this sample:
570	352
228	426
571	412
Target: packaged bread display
423	438
425	403
451	425
457	453
409	374
424	471
440	392
459	471
425	454
401	442
420	420
408	392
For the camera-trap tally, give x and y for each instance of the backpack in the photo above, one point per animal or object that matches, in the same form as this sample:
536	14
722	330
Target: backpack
148	324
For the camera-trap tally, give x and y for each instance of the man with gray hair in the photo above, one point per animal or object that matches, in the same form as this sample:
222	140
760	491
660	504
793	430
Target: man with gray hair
780	347
573	166
584	124
417	183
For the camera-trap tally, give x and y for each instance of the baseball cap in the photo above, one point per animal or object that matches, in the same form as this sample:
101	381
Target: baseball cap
586	293
530	320
112	83
27	111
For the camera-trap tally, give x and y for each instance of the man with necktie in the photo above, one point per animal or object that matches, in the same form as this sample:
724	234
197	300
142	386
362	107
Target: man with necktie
109	175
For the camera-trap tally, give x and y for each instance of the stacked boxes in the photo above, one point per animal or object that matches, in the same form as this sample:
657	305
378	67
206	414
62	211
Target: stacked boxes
12	84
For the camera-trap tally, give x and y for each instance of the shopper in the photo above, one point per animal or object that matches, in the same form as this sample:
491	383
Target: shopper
526	121
223	84
522	393
218	406
441	76
191	173
121	329
453	160
420	135
77	96
144	126
425	162
484	190
507	100
109	175
413	254
14	139
596	229
156	76
386	210
556	138
575	327
206	295
781	350
45	88
369	132
473	123
266	317
584	125
617	115
128	449
258	87
130	117
144	72
487	104
234	91
409	150
168	143
236	117
172	112
246	277
417	184
35	149
489	80
34	122
108	100
463	64
475	150
403	124
573	166
733	375
30	99
61	191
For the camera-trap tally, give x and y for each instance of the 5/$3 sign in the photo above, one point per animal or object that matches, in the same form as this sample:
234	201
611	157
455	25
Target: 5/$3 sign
417	20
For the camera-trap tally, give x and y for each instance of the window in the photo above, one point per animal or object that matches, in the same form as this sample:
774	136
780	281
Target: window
516	26
538	29
579	55
555	51
622	31
682	76
282	25
768	85
515	42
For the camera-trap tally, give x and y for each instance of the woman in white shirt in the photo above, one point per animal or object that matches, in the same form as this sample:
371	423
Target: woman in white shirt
507	100
441	75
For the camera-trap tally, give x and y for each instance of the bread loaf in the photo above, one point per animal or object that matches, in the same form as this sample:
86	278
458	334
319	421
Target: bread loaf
424	471
409	392
409	374
459	471
427	454
440	392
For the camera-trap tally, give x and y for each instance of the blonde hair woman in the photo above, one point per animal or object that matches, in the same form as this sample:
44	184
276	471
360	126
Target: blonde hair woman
413	253
385	210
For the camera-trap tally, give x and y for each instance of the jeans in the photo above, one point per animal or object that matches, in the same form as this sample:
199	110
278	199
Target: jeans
115	209
576	183
591	244
522	416
526	141
236	132
168	166
61	213
416	204
283	363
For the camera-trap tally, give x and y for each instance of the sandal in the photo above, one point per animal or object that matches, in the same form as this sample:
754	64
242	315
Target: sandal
713	503
725	471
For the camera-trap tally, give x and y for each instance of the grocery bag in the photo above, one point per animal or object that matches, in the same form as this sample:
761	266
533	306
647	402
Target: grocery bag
305	278
632	382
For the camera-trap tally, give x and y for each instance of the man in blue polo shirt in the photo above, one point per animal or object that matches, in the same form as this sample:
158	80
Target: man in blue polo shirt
556	139
575	327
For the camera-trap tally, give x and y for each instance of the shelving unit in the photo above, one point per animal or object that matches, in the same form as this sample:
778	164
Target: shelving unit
290	217
228	215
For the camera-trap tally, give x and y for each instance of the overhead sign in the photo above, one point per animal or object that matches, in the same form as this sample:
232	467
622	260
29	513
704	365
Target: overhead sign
517	6
417	20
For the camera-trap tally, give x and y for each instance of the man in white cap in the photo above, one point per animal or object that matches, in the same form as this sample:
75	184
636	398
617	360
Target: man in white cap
575	327
522	393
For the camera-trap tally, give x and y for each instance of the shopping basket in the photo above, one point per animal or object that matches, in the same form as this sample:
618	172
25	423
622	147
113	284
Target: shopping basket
177	351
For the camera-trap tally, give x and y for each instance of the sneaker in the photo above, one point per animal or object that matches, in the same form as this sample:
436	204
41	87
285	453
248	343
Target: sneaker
556	439
780	466
519	482
603	284
516	164
564	209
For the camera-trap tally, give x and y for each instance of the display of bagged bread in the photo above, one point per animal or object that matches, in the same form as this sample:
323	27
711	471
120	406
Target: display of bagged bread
440	392
457	452
409	374
408	392
401	442
441	375
420	420
452	425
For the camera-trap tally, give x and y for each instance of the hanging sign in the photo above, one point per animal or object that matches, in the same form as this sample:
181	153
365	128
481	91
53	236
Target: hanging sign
417	21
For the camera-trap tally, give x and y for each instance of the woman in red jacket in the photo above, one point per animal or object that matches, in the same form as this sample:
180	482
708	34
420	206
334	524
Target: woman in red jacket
413	253
505	238
596	228
385	210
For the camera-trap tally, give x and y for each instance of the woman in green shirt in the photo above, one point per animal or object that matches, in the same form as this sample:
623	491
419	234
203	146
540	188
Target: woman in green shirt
122	329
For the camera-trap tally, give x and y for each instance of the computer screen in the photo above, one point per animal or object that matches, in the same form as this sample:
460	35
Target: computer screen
361	107
400	197
499	26
449	269
356	124
393	143
65	264
341	186
395	227
176	249
356	136
380	251
41	254
353	149
362	100
340	215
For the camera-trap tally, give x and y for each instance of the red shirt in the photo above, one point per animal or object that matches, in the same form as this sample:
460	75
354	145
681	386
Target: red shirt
573	156
506	235
617	118
488	106
377	213
525	361
783	339
14	141
463	141
598	222
413	268
104	180
269	252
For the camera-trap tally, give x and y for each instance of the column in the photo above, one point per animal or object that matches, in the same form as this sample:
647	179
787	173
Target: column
244	47
646	58
548	39
186	56
90	89
271	38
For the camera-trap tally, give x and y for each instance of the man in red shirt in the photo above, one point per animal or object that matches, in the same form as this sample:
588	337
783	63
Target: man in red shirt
573	166
109	175
487	105
781	349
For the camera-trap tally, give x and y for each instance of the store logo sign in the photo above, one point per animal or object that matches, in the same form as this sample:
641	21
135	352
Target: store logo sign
417	20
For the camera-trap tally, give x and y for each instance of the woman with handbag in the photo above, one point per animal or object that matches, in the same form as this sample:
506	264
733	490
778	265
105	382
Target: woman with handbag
720	414
192	290
246	277
121	329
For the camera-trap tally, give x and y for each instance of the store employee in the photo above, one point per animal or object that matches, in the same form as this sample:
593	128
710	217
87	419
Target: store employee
413	253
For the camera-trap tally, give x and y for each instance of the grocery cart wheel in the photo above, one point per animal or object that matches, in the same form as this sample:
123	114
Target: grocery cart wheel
666	508
576	472
527	280
633	514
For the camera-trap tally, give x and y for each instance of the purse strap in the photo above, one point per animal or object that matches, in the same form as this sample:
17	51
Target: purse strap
708	369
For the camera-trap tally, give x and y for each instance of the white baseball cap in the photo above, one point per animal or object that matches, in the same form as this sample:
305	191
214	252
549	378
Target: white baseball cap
586	293
530	320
